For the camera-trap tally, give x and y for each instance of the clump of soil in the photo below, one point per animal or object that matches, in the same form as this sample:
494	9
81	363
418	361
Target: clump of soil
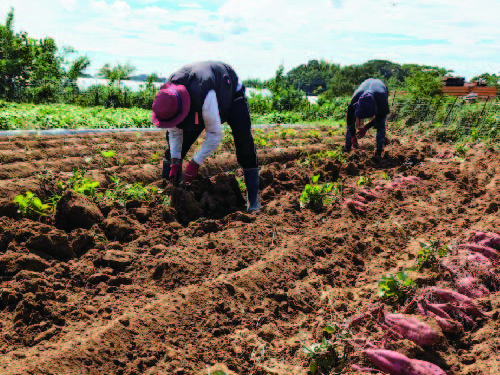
210	198
76	211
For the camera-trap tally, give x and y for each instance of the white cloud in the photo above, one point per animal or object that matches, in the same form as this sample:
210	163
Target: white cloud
257	36
69	4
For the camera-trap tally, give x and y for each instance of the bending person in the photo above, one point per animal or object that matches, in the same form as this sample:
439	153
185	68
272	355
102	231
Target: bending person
202	96
370	101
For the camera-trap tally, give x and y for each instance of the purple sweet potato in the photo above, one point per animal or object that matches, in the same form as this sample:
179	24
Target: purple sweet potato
449	325
465	303
369	195
488	252
479	236
398	364
413	329
356	205
493	242
444	320
359	198
471	287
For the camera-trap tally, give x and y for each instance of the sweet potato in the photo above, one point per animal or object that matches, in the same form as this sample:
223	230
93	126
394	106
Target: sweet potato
398	364
412	179
369	195
479	236
466	304
488	252
356	205
413	329
493	242
444	320
359	198
449	325
471	287
377	310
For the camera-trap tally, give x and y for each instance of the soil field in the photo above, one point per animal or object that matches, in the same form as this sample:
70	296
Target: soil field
201	285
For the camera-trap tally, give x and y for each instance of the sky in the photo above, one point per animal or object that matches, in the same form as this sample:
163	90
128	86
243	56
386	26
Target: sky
257	36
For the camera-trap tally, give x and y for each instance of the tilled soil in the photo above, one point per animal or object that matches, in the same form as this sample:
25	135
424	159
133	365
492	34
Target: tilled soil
203	285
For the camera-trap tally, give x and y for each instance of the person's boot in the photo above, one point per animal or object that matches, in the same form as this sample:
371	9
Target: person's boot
378	156
252	180
166	169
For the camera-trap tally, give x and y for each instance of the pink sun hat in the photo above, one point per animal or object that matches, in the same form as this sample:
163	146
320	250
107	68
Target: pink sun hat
171	106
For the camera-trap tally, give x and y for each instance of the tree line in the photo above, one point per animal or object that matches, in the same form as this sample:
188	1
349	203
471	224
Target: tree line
26	61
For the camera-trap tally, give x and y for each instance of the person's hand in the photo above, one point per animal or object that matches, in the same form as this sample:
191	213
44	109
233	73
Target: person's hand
361	132
191	171
175	170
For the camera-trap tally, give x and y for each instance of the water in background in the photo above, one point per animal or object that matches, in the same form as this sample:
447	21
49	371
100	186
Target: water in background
85	83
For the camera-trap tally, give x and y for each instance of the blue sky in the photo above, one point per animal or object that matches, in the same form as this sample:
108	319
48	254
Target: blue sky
257	36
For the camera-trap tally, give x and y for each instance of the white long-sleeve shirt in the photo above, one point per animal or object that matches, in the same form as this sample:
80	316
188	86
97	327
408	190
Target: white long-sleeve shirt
213	128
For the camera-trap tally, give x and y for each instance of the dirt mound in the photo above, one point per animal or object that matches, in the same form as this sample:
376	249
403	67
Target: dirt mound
210	198
139	293
76	211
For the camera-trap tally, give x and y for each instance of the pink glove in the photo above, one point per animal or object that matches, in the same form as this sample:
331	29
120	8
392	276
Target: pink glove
191	171
361	132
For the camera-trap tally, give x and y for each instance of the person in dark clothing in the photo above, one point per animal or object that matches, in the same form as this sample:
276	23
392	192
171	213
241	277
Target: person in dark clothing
370	101
203	96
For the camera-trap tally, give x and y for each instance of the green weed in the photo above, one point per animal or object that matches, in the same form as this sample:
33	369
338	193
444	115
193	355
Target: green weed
241	184
396	287
316	195
329	356
80	184
364	181
31	206
155	158
461	149
429	254
108	154
287	133
122	192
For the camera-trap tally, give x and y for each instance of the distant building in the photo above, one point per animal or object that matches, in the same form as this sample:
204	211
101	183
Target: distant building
456	86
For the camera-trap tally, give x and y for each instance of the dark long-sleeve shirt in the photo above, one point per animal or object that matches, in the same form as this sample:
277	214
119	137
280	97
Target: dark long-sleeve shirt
381	95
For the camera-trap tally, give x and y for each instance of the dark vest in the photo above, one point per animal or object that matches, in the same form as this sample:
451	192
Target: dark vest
200	78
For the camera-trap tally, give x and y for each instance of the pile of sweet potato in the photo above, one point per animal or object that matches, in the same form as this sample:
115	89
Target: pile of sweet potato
474	271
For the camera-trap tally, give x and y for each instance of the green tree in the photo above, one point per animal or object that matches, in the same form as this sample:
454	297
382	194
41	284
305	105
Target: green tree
424	80
284	96
152	78
15	58
490	79
116	73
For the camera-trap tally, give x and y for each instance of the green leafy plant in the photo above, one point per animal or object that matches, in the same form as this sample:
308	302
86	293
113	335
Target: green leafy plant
396	287
122	192
364	181
80	184
429	254
474	134
260	142
108	154
155	158
287	133
385	176
241	184
461	149
313	134
329	356
316	194
30	205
